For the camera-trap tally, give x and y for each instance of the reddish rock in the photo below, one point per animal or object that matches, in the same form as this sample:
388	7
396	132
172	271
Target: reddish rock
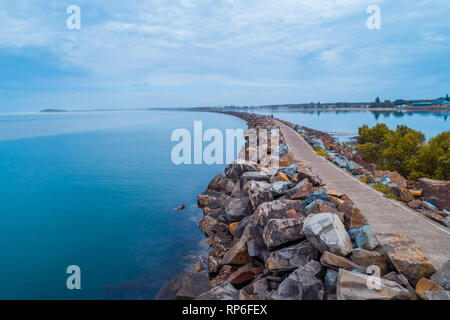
367	258
353	218
336	262
436	190
431	214
424	285
406	256
238	254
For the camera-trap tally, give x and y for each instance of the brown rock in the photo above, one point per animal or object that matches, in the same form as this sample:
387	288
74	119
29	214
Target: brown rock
222	276
238	254
233	227
406	256
406	195
336	201
426	285
336	262
301	195
353	218
415	204
367	258
437	190
282	177
181	207
430	214
198	267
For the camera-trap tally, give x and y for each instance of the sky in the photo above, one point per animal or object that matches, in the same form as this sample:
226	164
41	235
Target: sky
185	53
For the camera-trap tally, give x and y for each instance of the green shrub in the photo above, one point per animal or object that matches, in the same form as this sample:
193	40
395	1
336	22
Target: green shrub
405	150
321	152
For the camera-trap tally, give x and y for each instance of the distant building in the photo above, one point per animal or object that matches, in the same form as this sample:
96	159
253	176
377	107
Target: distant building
442	103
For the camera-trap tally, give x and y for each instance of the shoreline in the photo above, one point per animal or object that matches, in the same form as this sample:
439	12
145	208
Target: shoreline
265	227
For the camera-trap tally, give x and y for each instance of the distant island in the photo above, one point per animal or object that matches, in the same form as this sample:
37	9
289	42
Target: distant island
53	110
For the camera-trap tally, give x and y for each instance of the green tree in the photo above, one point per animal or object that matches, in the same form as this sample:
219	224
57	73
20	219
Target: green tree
377	100
403	146
433	160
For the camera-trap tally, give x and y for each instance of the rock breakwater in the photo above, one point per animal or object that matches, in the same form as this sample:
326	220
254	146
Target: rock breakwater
278	233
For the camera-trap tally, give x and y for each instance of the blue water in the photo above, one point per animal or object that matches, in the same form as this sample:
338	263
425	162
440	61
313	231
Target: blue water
102	197
345	124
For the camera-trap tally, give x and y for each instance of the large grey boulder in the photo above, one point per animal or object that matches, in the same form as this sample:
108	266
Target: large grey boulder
225	291
327	233
282	232
442	276
259	192
221	184
280	187
255	242
185	286
291	257
237	168
358	286
301	284
279	209
237	208
253	175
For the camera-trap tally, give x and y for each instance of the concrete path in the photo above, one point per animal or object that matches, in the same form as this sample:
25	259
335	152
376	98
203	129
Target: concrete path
383	214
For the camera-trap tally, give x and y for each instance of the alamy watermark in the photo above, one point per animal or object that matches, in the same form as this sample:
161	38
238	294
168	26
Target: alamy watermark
73	22
74	280
374	20
257	146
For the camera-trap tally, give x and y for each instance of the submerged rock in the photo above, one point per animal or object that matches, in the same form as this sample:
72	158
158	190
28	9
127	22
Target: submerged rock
185	286
225	291
327	233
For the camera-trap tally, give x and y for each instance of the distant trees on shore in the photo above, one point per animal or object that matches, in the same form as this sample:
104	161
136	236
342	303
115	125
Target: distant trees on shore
406	151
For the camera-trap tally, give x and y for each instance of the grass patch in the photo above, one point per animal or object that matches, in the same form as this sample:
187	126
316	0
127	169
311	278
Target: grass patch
321	152
391	196
380	188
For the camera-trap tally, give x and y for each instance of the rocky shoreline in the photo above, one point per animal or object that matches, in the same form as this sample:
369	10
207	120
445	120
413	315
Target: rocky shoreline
430	198
278	233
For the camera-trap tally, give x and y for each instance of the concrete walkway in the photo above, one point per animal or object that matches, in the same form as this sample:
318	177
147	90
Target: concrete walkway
383	214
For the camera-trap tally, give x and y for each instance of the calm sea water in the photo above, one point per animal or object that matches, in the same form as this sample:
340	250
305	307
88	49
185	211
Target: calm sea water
103	199
99	190
345	124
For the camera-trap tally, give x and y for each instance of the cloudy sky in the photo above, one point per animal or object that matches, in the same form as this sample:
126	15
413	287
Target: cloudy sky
219	52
